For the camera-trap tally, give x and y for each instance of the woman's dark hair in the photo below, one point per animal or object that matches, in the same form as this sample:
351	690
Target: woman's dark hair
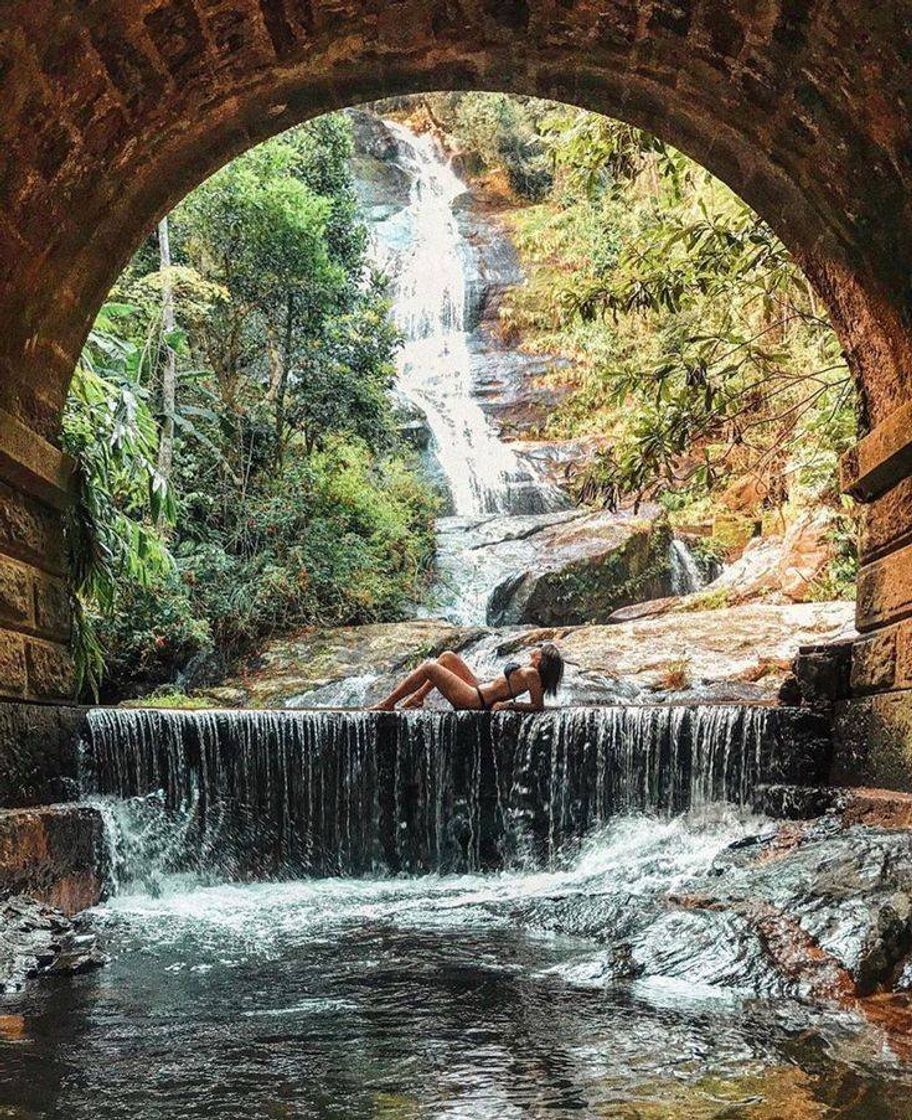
550	668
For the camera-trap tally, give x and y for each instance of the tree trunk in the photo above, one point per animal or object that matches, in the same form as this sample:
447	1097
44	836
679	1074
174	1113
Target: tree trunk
169	366
283	383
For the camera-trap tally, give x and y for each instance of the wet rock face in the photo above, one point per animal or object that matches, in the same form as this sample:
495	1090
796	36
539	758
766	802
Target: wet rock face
734	654
818	911
382	186
848	890
821	672
37	940
581	571
496	266
38	753
56	854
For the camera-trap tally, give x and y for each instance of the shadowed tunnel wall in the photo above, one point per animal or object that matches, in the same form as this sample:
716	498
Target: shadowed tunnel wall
111	112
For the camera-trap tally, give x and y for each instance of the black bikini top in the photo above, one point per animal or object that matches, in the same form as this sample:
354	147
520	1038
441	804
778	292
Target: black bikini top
508	670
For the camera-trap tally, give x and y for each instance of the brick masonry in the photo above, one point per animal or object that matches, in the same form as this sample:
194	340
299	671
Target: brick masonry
801	108
886	522
873	742
35	612
885	590
56	854
38	753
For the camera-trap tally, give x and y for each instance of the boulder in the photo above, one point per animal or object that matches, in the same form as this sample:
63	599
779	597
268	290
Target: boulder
807	550
738	653
753	575
788	567
346	666
829	892
582	570
56	854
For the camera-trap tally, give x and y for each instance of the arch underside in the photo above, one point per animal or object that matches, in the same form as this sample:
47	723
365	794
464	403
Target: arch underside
112	114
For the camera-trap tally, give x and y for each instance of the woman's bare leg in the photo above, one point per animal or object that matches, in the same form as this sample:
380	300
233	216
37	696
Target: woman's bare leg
455	664
453	687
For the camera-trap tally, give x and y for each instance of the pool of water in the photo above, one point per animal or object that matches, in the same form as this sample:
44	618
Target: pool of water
464	996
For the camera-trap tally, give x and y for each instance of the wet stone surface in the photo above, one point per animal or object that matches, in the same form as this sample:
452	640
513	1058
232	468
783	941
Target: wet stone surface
631	981
37	940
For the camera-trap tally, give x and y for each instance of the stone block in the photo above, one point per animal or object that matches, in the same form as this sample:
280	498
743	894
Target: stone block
31	531
887	522
51	674
874	662
882	458
793	803
54	853
52	605
30	463
904	655
823	673
885	590
15	592
38	753
873	742
875	808
13	679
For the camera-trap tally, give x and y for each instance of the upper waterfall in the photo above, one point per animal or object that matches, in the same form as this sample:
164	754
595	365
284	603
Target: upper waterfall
430	262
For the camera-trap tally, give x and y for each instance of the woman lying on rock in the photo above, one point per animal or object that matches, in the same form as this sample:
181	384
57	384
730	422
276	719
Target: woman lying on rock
452	677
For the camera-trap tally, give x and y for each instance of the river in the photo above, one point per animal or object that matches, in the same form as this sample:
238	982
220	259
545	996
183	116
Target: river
502	995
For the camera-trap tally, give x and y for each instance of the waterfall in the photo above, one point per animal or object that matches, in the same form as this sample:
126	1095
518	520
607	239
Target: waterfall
275	794
430	268
686	577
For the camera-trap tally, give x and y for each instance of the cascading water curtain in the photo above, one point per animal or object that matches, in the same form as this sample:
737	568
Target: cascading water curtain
267	794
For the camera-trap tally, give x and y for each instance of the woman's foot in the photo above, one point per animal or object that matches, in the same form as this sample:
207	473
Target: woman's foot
382	706
416	700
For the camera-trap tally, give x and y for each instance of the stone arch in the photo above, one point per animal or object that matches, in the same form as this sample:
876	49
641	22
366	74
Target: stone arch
111	113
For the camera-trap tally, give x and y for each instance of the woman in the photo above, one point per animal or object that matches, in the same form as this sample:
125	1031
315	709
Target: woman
452	677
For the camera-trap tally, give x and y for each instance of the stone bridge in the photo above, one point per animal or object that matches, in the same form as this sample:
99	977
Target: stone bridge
112	110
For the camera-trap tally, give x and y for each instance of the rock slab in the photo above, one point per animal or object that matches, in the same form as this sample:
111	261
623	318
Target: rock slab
55	854
38	940
733	654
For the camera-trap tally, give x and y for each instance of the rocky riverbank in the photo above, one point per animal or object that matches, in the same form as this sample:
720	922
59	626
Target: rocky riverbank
819	910
733	654
37	940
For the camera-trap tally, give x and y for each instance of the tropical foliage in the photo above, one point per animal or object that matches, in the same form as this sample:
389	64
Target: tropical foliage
286	497
700	360
240	469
